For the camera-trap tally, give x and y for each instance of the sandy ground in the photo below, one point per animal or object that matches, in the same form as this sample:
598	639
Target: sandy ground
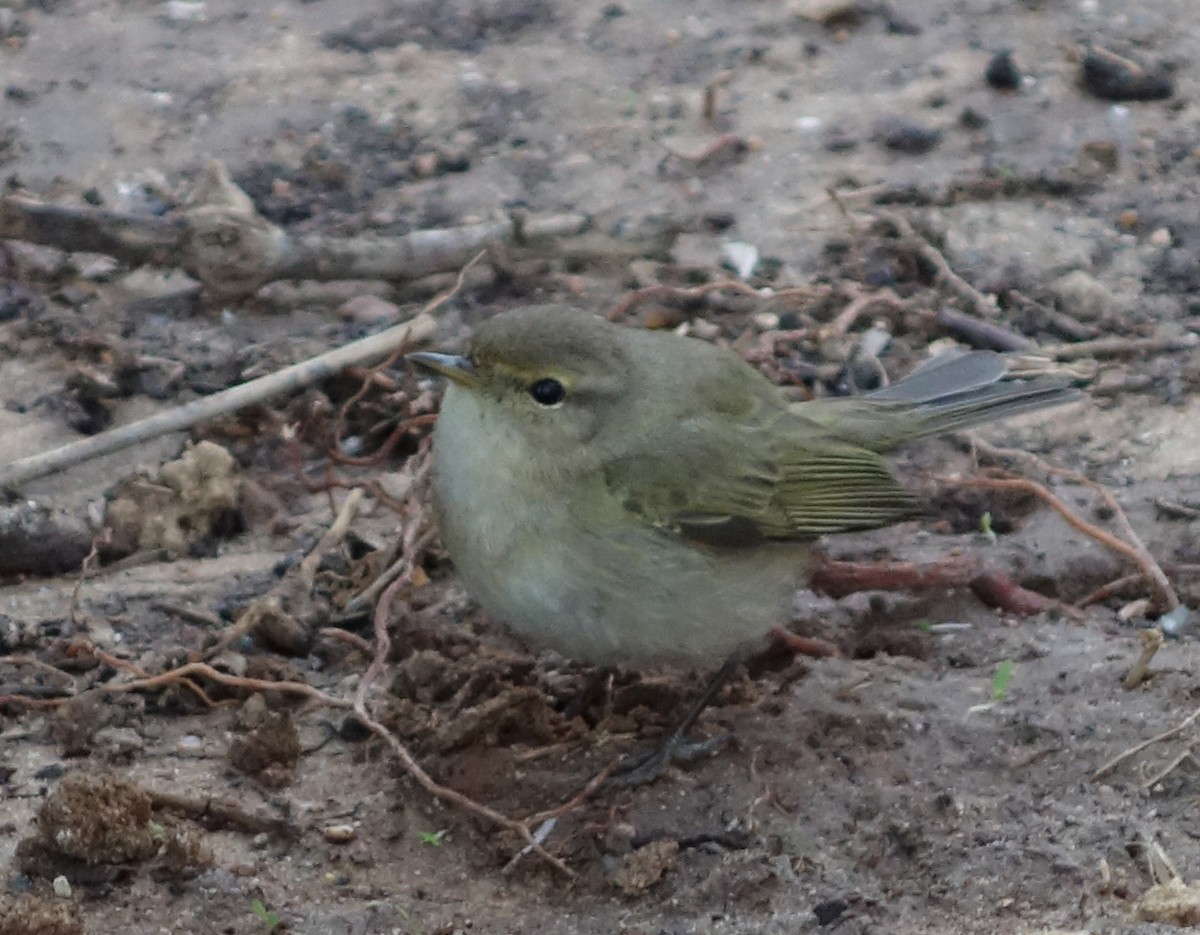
896	789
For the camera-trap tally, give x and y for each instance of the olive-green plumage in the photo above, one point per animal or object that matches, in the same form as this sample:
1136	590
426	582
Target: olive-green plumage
632	496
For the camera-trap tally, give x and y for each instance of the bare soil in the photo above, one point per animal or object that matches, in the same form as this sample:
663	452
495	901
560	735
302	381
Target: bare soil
902	787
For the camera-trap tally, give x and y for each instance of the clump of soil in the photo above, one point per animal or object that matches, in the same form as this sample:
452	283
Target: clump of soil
269	750
92	828
99	820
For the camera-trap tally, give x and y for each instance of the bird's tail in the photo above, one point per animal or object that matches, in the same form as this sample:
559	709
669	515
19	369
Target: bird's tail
950	392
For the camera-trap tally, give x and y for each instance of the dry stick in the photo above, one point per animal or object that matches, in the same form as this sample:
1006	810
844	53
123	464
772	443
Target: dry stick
1152	640
182	417
216	810
980	333
1135	750
1135	550
1170	768
1024	485
1116	346
124	665
222	240
1105	591
333	536
234	681
982	305
859	306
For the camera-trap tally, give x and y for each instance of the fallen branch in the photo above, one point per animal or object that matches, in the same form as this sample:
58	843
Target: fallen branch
182	417
221	239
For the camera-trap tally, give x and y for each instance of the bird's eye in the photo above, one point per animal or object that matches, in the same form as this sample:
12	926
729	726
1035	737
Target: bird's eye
547	392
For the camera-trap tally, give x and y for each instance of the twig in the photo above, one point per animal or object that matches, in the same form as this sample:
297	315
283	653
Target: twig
134	239
1113	588
1151	639
860	305
1135	750
978	333
233	681
581	796
212	810
182	417
1170	768
1135	550
1116	346
190	614
1025	485
982	305
332	538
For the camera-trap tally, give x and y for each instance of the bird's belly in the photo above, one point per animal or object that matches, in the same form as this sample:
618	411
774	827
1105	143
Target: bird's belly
594	584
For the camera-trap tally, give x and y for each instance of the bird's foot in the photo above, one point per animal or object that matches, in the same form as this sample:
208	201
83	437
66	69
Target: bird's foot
677	750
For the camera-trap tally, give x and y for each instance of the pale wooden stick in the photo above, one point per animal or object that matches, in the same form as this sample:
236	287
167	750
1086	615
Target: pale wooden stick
287	380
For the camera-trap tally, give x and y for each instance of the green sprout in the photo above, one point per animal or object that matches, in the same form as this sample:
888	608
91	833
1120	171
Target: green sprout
433	838
270	918
1000	680
985	528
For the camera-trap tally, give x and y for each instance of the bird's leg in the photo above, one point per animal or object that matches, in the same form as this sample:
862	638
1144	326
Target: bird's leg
676	748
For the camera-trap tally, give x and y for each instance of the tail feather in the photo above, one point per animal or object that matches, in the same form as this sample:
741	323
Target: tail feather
942	396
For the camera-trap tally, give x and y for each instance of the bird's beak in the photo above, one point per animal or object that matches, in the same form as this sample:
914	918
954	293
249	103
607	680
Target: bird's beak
457	369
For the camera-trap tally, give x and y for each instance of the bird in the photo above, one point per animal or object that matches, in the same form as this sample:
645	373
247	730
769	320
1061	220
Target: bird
632	498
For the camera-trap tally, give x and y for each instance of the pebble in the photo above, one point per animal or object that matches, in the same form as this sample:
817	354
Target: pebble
339	834
62	887
1113	78
1002	72
905	136
369	310
1082	296
189	744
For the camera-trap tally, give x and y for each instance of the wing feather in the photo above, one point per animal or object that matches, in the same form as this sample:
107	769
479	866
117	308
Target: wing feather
783	478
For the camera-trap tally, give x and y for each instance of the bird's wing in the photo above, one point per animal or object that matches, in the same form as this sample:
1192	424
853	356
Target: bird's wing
738	484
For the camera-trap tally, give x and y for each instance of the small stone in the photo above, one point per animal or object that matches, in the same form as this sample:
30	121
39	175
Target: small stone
905	136
62	887
339	834
1111	77
1161	238
189	745
425	165
643	273
369	310
185	11
1082	296
94	267
1129	220
1002	72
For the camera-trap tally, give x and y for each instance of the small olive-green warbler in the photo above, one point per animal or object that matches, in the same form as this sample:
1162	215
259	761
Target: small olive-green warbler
626	496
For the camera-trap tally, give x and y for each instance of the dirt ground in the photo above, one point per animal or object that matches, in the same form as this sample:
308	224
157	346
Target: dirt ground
935	777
